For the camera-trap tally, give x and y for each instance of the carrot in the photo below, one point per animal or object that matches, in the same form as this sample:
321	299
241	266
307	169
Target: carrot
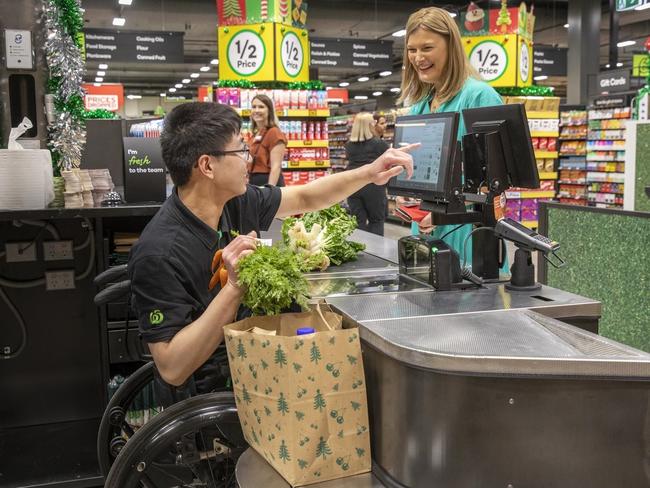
213	281
216	260
223	276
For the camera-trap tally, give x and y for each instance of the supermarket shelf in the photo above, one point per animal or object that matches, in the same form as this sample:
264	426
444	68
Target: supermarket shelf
306	164
594	192
572	182
291	113
546	154
308	143
549	175
570	155
533	114
530	194
542	133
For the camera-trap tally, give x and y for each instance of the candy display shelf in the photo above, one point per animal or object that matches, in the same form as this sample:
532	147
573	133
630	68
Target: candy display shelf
572	168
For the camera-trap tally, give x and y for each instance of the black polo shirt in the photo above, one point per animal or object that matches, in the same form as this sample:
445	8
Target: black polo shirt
169	266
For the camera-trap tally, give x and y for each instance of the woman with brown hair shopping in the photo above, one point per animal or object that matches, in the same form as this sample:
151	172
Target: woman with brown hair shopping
268	144
368	205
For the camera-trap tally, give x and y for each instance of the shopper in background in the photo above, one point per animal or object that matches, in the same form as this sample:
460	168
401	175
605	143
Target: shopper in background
437	77
180	316
380	125
268	144
368	204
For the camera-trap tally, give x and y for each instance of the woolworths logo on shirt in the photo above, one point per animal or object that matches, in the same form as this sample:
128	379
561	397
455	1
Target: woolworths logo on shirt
156	317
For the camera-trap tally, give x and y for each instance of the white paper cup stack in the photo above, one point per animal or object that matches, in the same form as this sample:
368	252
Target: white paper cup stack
73	189
102	184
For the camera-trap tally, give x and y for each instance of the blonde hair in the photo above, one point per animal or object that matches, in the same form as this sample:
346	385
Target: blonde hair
362	127
458	69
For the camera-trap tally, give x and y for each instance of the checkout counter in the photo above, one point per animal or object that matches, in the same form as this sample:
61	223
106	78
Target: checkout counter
485	385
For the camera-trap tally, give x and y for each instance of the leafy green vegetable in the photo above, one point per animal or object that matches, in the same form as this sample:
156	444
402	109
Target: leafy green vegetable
273	279
337	225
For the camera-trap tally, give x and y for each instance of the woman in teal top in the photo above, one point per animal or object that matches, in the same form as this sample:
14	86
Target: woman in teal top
437	77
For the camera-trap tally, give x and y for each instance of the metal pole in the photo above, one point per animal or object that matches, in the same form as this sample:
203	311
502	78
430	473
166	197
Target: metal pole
613	34
584	42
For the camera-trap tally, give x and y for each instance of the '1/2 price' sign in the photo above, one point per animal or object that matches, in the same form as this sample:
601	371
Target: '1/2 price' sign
490	60
247	51
503	61
292	54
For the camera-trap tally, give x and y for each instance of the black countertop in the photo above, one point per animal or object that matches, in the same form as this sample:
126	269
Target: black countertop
71	213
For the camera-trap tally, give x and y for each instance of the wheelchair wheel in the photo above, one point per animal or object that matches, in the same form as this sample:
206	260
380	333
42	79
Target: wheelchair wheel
114	429
195	443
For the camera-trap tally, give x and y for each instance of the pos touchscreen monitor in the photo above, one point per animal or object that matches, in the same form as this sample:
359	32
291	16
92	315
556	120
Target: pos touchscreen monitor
432	161
516	154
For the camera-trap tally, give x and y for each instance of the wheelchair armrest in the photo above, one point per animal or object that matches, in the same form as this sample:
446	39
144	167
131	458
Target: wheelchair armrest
113	274
113	292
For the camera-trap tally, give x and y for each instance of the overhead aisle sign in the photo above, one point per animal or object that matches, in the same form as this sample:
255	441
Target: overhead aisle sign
622	5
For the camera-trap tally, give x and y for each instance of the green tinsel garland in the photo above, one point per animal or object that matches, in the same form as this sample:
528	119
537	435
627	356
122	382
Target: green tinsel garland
71	17
100	113
272	85
526	91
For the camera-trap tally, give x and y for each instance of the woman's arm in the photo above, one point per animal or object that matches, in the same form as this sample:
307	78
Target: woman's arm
275	163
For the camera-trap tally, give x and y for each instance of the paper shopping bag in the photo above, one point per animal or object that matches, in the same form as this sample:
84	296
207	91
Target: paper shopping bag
301	399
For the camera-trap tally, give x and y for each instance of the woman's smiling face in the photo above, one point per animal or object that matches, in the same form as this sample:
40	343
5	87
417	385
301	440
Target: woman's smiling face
427	53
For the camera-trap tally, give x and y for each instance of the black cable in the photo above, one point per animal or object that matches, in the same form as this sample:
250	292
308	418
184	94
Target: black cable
21	324
451	231
467	239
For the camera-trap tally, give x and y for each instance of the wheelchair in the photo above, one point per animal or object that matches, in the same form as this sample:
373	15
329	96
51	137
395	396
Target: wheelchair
194	443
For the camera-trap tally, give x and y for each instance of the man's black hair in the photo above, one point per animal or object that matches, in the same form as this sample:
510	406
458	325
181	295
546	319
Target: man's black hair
193	129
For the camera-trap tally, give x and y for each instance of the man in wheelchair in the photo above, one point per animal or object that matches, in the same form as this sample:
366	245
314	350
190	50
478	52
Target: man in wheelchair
179	311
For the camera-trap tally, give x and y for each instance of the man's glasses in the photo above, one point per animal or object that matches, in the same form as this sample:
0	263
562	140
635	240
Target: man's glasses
243	153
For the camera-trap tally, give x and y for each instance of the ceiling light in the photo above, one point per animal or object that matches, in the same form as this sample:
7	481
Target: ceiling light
395	90
361	97
626	43
163	94
194	75
452	14
363	78
119	21
172	90
566	26
377	94
215	83
134	97
540	78
618	65
607	65
103	66
204	68
99	79
97	84
186	80
214	61
399	33
125	2
385	73
643	7
178	85
101	73
329	87
344	83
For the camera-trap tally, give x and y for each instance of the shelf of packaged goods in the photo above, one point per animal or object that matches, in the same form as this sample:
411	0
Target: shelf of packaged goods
534	114
531	224
600	147
548	175
539	154
572	182
291	113
576	138
569	155
530	194
308	143
590	192
544	133
306	164
568	196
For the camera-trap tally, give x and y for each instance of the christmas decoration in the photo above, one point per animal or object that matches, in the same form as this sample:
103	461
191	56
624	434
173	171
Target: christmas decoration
504	20
100	113
63	23
232	12
526	91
